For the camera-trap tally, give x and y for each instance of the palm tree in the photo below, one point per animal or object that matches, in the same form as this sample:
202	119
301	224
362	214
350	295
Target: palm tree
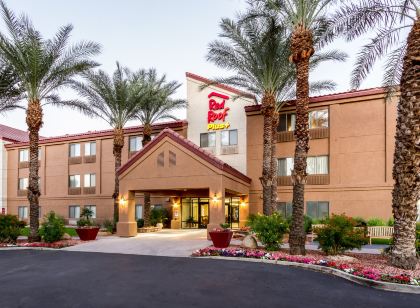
39	68
257	51
116	100
391	19
303	21
156	105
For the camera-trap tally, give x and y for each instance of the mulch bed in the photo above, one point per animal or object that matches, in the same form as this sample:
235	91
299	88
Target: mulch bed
55	245
370	266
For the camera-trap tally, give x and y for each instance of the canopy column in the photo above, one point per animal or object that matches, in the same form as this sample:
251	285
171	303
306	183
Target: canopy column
127	226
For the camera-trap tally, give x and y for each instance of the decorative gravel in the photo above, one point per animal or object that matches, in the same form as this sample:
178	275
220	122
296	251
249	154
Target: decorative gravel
55	245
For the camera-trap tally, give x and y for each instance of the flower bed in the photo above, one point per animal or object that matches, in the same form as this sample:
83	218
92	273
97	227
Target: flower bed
55	245
353	268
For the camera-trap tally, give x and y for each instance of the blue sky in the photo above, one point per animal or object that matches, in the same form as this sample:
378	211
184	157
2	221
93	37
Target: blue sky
170	35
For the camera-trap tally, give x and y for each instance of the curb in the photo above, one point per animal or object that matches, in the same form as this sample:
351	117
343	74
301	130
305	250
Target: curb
380	285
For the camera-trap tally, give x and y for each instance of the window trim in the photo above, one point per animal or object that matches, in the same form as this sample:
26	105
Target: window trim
74	175
80	149
25	211
27	155
317	202
229	137
73	206
139	143
88	146
90	175
208	134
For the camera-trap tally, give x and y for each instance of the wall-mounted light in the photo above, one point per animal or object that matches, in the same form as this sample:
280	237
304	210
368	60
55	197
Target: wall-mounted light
122	202
243	203
215	199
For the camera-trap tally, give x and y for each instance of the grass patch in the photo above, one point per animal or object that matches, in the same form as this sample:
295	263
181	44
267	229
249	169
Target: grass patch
69	231
381	241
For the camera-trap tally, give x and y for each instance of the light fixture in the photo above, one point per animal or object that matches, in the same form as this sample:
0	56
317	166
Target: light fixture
122	201
243	204
215	199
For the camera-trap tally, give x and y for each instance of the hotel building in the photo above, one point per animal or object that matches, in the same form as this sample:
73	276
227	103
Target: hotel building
206	169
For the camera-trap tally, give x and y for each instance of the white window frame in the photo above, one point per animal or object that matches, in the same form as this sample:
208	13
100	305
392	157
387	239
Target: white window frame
90	180
317	114
76	150
25	212
76	180
229	137
93	208
24	182
23	155
90	148
139	211
138	143
76	212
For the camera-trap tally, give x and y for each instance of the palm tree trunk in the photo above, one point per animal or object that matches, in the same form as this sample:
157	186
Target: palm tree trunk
34	122
267	109
406	171
302	50
275	122
147	137
117	150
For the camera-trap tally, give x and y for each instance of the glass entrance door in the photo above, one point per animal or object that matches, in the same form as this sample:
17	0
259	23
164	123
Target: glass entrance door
194	213
232	211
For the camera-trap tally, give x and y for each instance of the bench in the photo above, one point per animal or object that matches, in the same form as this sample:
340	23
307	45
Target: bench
312	235
380	232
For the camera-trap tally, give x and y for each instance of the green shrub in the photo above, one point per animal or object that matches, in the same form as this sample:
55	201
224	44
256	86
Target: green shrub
373	222
270	230
85	219
360	222
418	226
158	215
10	228
390	222
108	225
140	223
418	240
251	218
339	235
52	228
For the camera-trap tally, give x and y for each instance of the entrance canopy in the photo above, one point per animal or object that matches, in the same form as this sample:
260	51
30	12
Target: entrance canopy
172	164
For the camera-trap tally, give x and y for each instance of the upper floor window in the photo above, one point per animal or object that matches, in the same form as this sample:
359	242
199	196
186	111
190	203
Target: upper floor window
314	165
135	143
90	149
90	180
229	137
287	122
208	140
74	181
318	118
23	183
23	155
74	150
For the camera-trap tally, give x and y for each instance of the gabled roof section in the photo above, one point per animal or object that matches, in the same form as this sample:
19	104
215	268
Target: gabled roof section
207	156
11	134
99	133
329	97
221	86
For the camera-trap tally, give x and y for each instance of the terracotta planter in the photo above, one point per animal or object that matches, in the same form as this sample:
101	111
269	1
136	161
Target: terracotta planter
87	234
221	239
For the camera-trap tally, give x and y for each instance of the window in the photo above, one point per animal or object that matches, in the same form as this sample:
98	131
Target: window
317	209
74	150
90	149
139	211
135	144
314	165
92	208
287	122
230	137
317	165
23	155
74	211
23	184
318	118
207	140
74	181
285	166
90	180
22	212
285	209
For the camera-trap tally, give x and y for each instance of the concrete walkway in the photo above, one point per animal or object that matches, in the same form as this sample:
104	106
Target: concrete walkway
167	242
171	243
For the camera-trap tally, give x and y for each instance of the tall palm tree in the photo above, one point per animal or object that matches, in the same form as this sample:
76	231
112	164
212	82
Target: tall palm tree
116	100
303	21
156	105
392	19
257	51
40	68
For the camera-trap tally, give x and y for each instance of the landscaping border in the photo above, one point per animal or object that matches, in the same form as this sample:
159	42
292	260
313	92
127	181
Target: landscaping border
381	285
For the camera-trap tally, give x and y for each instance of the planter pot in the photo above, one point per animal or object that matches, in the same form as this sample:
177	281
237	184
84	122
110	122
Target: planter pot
221	239
87	234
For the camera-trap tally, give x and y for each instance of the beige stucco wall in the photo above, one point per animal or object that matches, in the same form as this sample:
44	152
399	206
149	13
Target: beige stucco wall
197	120
55	170
360	148
3	176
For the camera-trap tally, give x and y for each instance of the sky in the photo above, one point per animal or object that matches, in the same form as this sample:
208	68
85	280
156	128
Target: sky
171	36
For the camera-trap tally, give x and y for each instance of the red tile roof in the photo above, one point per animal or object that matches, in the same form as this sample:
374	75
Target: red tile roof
207	156
329	97
221	86
101	133
11	134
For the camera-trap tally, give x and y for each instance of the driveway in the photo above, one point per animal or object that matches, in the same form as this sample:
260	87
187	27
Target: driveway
31	278
167	242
